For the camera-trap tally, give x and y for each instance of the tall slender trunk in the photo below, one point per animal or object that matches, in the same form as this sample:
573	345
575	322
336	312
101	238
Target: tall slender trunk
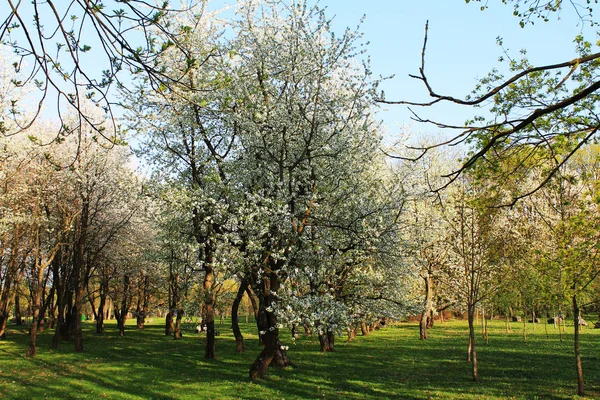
524	324
142	303
209	302
173	300
6	301
578	365
18	315
36	305
483	323
472	351
79	272
124	306
101	306
60	318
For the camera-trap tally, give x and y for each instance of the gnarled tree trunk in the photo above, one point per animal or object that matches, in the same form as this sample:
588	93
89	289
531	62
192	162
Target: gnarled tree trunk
273	353
326	340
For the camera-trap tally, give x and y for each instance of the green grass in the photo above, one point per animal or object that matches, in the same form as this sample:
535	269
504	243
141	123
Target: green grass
389	363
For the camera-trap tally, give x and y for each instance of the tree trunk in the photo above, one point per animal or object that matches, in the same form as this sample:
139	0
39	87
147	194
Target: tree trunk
18	315
177	332
431	319
36	305
124	306
61	324
6	302
79	272
209	303
235	325
326	340
169	324
524	325
254	304
426	310
273	353
101	306
472	352
578	365
483	323
142	303
484	330
352	331
364	329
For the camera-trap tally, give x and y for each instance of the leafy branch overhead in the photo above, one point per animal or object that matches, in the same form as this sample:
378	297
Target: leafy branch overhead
548	109
58	47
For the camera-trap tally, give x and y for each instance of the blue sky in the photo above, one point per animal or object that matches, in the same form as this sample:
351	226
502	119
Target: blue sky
461	46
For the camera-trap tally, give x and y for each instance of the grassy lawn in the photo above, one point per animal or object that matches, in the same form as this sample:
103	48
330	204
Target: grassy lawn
390	363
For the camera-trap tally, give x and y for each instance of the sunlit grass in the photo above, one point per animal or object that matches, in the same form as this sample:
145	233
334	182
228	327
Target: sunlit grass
389	363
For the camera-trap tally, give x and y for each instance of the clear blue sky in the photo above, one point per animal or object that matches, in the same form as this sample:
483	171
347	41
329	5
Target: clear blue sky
461	46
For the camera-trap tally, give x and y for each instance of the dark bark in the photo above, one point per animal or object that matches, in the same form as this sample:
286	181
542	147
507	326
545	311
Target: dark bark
121	314
36	305
274	352
59	275
18	314
10	289
7	298
177	332
101	306
209	303
326	340
524	325
47	305
431	319
169	324
79	272
5	304
235	325
142	303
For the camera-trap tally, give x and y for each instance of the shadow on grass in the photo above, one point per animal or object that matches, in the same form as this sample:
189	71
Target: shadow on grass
391	363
